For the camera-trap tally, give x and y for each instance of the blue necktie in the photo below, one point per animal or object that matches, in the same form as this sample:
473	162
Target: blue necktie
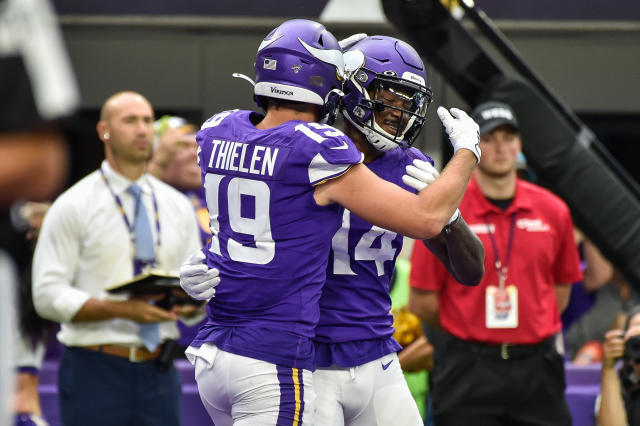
145	251
144	238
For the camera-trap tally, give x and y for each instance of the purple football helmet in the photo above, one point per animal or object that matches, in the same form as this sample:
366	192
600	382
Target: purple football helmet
378	67
300	61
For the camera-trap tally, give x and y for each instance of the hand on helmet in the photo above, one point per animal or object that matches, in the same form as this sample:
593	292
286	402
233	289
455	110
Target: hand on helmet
197	279
462	130
419	175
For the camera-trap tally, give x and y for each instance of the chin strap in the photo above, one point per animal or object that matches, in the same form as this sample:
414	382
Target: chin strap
376	139
332	103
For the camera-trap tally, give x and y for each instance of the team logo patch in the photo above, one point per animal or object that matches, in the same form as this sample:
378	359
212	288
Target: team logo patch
269	64
296	68
278	91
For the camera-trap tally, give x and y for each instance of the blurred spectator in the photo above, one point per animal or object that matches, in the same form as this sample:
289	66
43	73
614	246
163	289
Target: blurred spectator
33	164
113	224
585	337
496	362
175	161
29	342
36	87
619	402
589	353
175	158
597	272
523	170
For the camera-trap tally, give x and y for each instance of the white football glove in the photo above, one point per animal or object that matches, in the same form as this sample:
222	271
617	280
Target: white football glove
462	130
351	40
419	175
197	279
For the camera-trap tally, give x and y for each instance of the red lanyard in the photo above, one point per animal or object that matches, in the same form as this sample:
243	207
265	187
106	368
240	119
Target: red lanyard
500	267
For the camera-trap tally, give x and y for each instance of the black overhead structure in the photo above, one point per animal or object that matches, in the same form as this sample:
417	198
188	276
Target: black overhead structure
564	153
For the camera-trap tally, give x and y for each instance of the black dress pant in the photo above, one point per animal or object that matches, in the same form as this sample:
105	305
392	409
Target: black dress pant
96	389
474	385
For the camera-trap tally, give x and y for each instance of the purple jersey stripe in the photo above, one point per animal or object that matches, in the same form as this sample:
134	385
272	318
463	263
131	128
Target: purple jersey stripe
291	396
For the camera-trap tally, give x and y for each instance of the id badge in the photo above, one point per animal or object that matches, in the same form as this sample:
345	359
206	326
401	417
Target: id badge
501	307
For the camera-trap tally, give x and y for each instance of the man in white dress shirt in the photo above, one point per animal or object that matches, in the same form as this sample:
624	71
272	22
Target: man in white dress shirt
102	231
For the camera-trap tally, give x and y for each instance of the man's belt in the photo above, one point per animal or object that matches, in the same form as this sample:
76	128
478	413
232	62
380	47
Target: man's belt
133	353
504	350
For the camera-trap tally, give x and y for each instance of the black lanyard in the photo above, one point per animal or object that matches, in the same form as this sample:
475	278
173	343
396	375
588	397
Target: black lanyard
500	267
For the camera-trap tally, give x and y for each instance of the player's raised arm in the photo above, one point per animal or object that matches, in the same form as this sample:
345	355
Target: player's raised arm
418	216
457	247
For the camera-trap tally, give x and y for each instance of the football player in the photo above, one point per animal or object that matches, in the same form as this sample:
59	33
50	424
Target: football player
358	380
276	185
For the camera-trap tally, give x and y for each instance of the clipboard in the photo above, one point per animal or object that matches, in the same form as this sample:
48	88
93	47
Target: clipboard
150	282
157	283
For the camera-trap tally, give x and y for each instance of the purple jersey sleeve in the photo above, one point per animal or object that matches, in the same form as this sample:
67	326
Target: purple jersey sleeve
355	324
270	239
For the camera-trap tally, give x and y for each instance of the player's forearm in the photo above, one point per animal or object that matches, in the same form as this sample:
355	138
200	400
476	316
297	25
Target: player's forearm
612	411
444	195
382	203
460	251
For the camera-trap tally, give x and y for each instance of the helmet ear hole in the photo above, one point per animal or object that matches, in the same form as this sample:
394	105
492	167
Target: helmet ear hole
320	41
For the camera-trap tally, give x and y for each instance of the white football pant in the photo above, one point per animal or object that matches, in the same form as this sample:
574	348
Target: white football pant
371	394
237	390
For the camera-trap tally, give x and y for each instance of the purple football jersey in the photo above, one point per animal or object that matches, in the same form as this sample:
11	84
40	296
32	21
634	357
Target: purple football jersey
270	239
355	324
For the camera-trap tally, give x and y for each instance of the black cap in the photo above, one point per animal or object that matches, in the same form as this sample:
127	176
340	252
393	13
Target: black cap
490	115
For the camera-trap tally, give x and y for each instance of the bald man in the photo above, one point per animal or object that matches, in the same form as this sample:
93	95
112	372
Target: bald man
113	224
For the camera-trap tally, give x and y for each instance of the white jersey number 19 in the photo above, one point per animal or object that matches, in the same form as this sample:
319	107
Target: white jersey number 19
259	226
